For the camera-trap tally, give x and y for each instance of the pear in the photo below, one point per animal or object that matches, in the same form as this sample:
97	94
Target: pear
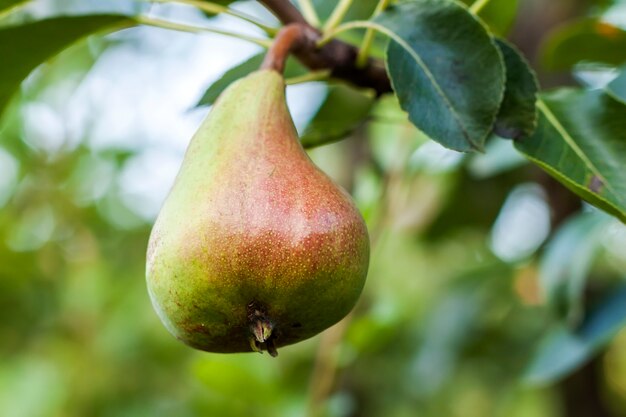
255	247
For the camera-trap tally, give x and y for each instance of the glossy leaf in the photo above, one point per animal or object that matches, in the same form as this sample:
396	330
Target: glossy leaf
518	112
26	46
617	87
342	112
562	350
589	40
581	141
445	69
292	69
566	263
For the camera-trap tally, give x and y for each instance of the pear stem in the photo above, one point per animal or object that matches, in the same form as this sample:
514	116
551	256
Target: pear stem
290	38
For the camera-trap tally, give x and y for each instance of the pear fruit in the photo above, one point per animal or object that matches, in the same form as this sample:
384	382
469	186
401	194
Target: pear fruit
255	247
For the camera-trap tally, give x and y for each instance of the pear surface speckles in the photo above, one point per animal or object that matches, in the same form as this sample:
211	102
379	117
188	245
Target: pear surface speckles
251	220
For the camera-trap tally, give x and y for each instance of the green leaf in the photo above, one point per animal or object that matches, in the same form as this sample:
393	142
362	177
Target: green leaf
230	76
499	15
359	10
518	112
445	69
26	46
589	40
617	87
7	4
581	141
566	263
292	69
342	112
562	350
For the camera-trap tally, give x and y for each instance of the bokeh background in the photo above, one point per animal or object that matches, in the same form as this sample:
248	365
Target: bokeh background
452	321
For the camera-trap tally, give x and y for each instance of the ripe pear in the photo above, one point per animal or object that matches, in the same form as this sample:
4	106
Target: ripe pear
255	247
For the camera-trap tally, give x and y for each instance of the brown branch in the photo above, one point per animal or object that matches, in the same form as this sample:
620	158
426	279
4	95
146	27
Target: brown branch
339	57
284	11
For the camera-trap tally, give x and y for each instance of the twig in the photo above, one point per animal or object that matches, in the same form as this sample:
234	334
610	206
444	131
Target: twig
308	77
337	15
309	12
364	51
164	24
214	8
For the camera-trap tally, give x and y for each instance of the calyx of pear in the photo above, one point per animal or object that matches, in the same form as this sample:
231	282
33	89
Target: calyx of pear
254	248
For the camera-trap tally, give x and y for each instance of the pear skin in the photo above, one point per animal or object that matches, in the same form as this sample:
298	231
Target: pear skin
254	248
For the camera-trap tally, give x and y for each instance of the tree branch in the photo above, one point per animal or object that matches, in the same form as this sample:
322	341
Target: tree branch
284	11
338	57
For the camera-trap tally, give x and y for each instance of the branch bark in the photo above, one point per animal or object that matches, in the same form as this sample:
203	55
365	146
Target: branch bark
339	57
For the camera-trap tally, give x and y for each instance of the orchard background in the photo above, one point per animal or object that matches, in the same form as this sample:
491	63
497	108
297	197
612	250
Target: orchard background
496	283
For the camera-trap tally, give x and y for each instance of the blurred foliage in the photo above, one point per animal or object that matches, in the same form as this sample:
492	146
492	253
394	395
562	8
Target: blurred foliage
499	14
588	40
478	301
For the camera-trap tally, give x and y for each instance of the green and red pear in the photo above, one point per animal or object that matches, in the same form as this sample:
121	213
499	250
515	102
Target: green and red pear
255	247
